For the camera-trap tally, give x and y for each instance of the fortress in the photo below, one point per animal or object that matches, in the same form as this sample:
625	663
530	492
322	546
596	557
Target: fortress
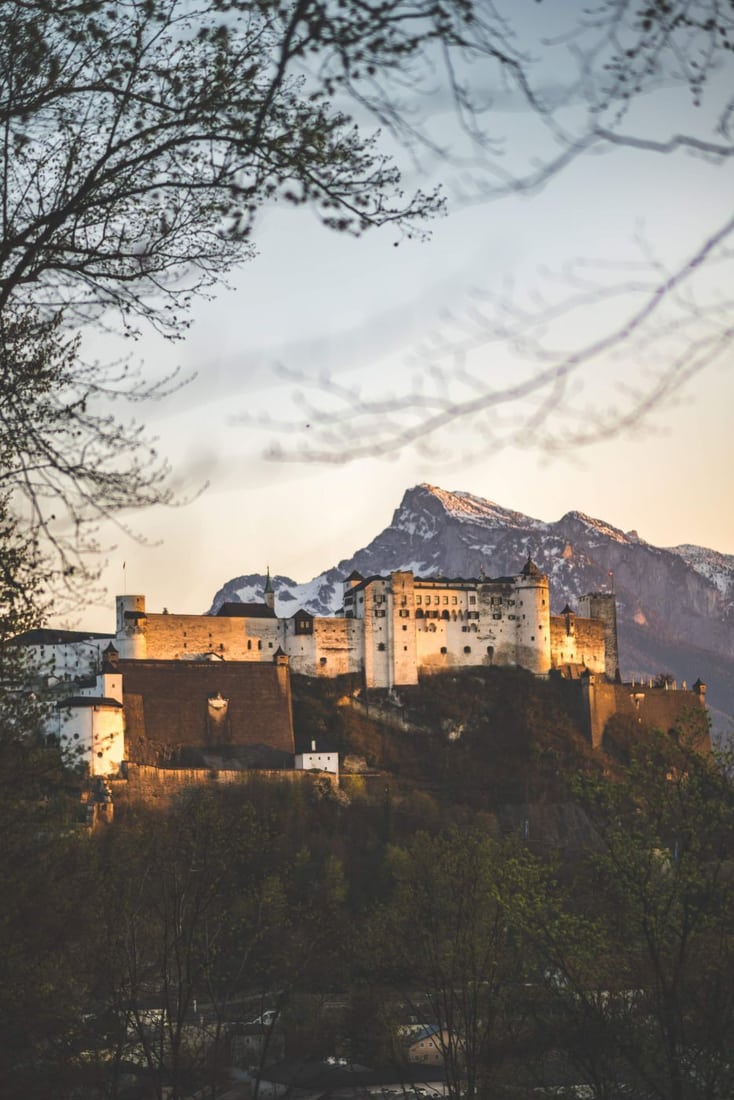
391	629
169	688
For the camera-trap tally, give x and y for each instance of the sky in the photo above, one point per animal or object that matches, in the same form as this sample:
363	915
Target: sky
366	313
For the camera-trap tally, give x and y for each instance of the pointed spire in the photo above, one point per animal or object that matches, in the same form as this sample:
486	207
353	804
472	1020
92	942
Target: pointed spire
530	569
269	592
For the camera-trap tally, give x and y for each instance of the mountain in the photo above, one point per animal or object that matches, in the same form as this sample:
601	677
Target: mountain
675	605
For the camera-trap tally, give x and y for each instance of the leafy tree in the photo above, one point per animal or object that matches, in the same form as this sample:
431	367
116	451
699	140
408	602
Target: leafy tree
649	996
448	947
140	140
205	922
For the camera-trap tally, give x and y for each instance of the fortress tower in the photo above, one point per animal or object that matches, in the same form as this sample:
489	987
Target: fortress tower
533	622
602	606
130	639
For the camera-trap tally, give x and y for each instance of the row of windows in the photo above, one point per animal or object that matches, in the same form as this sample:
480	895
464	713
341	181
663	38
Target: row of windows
431	628
441	599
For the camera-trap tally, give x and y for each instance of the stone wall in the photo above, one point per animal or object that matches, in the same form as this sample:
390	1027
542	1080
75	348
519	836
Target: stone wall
578	641
656	708
174	704
160	787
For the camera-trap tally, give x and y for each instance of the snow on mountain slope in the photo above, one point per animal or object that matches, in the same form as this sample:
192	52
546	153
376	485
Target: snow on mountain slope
717	568
682	597
467	508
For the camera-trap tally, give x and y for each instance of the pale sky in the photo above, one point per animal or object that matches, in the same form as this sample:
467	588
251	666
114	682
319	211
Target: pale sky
363	310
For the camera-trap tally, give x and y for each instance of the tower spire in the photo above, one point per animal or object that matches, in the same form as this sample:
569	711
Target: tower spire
269	592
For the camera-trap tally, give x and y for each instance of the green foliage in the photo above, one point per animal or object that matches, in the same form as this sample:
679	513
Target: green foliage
660	892
449	932
481	738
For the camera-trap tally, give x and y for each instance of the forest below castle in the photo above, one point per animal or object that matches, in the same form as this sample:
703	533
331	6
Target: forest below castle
561	918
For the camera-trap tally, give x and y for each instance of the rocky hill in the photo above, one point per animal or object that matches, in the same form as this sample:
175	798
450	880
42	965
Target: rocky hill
675	604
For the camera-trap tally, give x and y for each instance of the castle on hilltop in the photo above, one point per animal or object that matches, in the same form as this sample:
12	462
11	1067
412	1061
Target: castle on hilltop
169	687
392	629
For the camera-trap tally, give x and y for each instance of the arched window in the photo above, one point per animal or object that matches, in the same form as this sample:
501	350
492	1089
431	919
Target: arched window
419	613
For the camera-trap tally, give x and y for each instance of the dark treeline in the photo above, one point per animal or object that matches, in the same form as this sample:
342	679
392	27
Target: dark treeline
133	957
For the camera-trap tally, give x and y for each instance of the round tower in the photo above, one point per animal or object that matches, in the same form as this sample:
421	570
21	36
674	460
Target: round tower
130	638
532	619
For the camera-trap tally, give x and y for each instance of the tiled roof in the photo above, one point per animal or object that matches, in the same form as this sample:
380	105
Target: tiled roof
89	701
237	610
46	636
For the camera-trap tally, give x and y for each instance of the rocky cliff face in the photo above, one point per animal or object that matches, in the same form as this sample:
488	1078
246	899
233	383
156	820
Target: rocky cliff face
675	605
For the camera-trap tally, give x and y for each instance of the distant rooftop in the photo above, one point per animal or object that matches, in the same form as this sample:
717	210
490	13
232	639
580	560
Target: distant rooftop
46	636
239	610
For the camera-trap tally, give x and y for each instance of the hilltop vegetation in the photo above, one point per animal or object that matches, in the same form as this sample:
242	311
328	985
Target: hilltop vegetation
480	738
430	886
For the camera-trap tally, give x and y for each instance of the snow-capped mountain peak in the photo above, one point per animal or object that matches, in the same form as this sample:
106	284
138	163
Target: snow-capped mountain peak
675	606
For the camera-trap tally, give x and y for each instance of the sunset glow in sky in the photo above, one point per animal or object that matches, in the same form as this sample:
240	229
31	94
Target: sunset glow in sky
364	311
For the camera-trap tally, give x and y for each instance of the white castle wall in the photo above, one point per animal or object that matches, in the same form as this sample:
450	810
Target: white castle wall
332	647
394	628
66	660
92	728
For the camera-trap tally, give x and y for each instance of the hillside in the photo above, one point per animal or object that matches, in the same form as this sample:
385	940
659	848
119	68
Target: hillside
494	742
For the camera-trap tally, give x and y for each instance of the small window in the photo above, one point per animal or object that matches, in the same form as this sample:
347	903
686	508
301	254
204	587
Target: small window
322	660
419	599
405	628
443	649
472	599
259	644
467	649
381	647
453	599
445	599
379	614
497	615
270	645
532	637
490	651
249	643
